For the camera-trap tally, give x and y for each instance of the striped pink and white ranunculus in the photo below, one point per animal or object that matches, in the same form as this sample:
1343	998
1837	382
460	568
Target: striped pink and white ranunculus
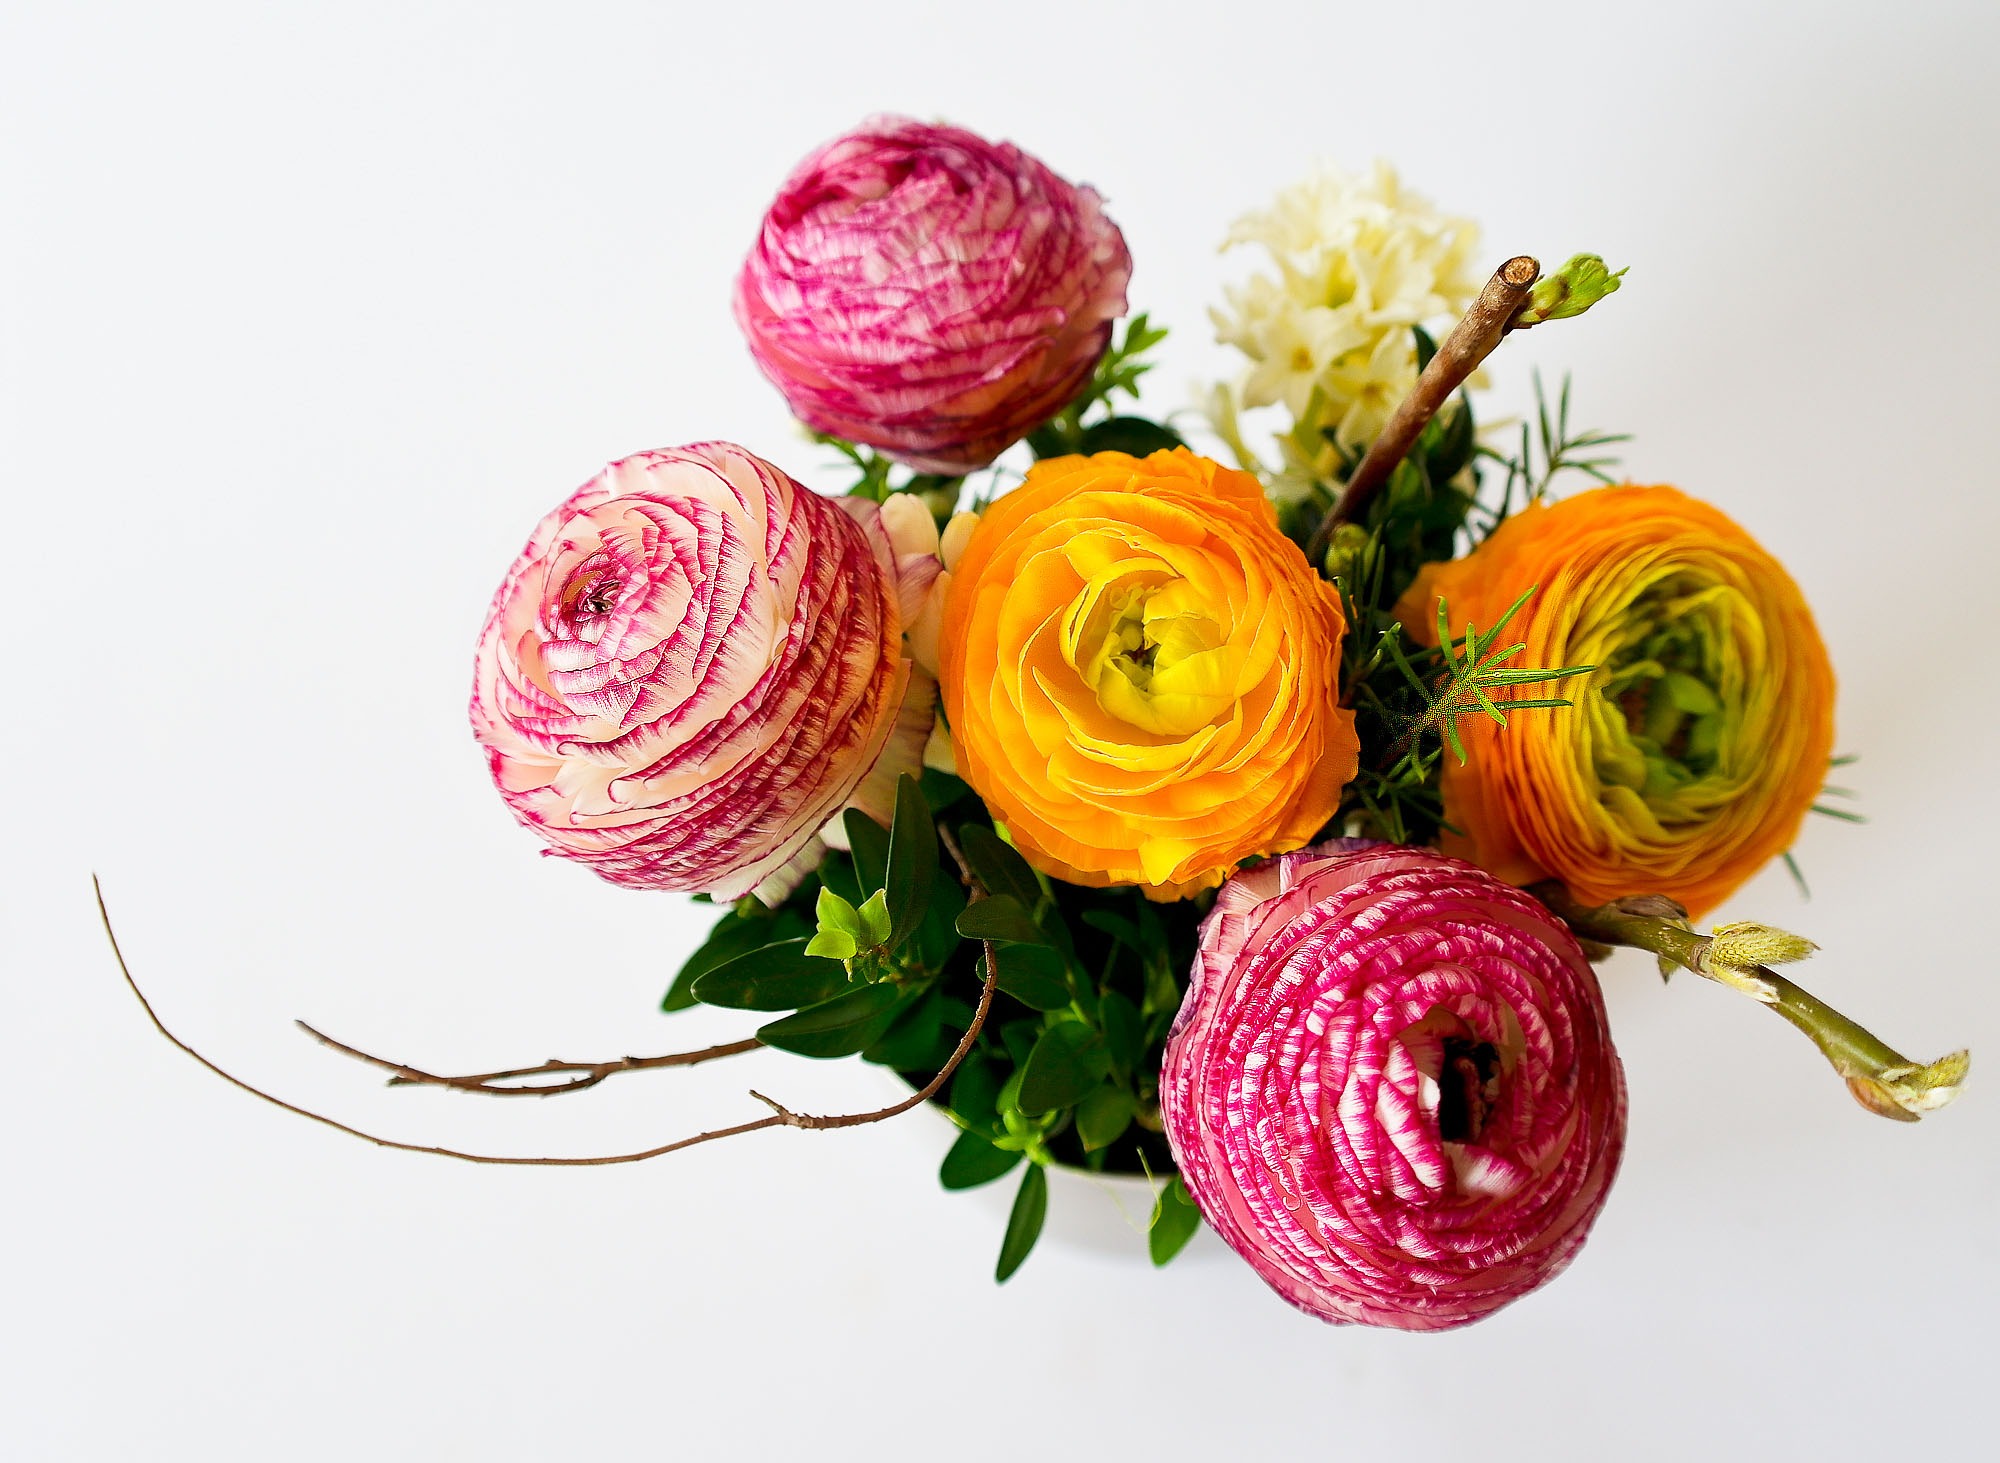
697	664
1391	1087
930	293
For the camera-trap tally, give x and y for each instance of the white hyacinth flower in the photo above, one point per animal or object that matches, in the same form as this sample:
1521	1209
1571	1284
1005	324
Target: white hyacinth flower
1356	262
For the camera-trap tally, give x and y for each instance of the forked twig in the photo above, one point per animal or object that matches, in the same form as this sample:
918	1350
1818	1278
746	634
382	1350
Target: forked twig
512	1083
780	1117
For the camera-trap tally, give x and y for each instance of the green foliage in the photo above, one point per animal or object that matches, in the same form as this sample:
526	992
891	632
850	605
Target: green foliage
1408	699
1408	702
1066	1069
1543	457
1175	1219
1024	1224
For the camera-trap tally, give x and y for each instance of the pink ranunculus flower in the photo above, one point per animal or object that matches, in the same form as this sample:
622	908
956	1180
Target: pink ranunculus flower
1391	1087
930	293
695	665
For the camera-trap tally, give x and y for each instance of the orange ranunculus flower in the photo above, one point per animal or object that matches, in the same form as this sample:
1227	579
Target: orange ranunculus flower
1140	673
1695	747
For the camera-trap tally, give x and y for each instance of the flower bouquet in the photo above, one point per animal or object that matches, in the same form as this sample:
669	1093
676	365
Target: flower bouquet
1248	829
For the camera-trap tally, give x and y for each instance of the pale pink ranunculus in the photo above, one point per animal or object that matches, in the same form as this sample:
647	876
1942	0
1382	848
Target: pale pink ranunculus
695	665
1391	1087
930	293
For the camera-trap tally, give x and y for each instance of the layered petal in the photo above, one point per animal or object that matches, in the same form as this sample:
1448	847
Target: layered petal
1391	1086
1697	744
1139	673
930	293
693	666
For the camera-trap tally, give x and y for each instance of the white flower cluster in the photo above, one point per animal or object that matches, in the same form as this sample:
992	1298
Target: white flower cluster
1359	261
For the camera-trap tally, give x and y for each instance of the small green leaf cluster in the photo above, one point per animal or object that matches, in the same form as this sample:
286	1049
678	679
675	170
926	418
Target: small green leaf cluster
880	953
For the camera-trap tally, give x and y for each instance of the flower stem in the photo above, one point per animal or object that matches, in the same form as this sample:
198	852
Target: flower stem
1471	341
1881	1078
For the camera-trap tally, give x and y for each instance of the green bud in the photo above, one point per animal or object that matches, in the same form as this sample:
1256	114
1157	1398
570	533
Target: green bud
1571	290
1350	541
1907	1092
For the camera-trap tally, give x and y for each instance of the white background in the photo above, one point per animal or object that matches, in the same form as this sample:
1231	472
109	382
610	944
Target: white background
310	312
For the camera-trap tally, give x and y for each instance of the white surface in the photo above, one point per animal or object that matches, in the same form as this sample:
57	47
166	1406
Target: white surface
310	312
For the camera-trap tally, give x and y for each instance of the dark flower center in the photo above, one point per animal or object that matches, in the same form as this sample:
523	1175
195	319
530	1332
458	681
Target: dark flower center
1468	1088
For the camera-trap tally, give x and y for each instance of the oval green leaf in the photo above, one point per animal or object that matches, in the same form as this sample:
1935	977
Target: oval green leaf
778	977
1064	1067
913	861
1000	918
836	1028
973	1161
1034	975
1024	1223
1174	1222
998	865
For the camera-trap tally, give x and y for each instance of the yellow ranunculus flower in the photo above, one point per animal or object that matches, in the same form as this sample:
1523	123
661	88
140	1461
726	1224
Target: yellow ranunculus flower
1141	673
1699	740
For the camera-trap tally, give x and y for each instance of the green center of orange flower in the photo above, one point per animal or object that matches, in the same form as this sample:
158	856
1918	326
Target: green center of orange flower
1669	674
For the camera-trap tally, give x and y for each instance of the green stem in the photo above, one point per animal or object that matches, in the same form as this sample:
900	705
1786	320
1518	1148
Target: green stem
1882	1079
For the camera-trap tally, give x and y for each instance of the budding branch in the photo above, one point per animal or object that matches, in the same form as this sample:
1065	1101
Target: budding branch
1471	341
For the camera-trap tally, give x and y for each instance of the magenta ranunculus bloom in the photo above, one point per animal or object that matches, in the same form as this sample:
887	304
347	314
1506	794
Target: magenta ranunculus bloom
1391	1087
694	666
930	293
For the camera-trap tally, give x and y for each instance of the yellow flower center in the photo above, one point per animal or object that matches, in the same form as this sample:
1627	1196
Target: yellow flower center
1154	655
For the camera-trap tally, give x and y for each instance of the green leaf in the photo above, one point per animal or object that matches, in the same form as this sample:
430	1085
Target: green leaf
1124	1033
1000	918
1034	975
998	865
836	913
778	977
1426	347
733	935
942	790
1135	435
1067	1062
1024	1224
836	1028
913	862
833	944
1103	1116
913	1039
874	918
937	937
869	845
1175	1220
973	1161
975	1092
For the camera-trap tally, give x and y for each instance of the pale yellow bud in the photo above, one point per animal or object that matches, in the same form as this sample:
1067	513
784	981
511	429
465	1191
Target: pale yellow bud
1746	944
957	534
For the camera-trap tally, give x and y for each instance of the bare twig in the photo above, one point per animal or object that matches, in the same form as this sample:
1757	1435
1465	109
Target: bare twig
780	1117
1471	341
512	1082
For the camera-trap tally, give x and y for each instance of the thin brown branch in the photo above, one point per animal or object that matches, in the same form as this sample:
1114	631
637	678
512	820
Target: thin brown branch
512	1081
779	1117
1471	341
